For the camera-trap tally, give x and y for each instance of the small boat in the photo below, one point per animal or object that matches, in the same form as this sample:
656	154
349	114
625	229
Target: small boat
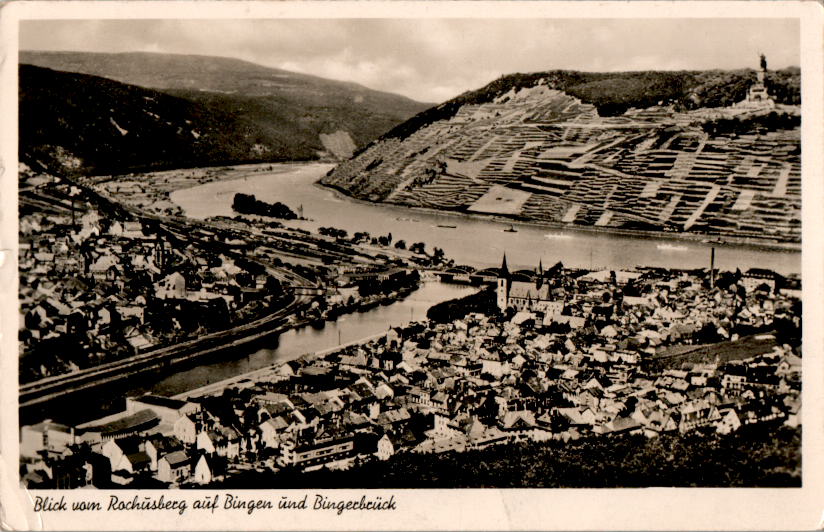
445	226
670	247
558	236
511	229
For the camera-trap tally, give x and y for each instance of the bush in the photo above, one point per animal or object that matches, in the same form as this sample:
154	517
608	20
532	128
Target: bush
249	204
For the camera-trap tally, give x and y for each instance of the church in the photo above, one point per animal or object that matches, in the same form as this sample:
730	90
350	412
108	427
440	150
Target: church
521	293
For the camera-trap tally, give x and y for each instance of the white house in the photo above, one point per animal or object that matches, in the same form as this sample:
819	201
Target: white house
203	473
385	448
185	429
172	286
729	422
174	467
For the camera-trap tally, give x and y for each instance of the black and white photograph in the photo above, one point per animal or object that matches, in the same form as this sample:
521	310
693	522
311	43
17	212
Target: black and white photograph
329	254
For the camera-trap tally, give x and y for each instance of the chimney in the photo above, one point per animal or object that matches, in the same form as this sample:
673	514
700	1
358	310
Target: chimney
712	267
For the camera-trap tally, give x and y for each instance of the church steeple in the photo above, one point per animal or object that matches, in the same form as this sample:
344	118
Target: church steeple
539	280
503	286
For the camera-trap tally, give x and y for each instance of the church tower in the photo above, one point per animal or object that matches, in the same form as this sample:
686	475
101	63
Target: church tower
503	287
159	253
539	275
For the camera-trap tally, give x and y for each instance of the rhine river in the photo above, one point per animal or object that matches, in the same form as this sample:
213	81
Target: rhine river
475	241
478	242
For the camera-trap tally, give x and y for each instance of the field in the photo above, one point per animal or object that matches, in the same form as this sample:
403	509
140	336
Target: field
747	347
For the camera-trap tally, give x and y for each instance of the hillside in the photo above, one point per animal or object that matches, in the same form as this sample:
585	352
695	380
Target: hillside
264	113
656	151
79	124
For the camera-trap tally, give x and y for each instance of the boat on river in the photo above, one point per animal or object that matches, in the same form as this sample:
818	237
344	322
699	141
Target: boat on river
671	247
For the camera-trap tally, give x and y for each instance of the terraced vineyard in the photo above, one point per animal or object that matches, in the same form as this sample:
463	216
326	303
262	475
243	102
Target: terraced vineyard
654	169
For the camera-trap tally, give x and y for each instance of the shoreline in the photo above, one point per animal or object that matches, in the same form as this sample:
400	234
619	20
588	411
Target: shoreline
222	384
787	247
274	366
731	241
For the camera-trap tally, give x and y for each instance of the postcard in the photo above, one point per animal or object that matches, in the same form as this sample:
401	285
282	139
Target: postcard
411	265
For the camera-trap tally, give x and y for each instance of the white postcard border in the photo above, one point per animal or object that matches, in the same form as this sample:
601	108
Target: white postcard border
469	509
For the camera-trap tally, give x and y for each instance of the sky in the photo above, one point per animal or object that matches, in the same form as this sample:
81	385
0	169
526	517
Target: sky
432	60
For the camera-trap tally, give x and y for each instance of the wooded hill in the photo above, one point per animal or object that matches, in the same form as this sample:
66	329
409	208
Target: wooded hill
183	110
612	93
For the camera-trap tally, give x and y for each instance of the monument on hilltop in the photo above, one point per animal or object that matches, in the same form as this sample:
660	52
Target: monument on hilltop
758	97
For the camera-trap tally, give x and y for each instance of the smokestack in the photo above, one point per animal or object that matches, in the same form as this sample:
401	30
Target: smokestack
712	267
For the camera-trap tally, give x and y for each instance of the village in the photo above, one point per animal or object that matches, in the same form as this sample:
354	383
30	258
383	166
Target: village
541	355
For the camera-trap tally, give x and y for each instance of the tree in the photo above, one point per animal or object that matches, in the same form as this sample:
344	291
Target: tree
400	244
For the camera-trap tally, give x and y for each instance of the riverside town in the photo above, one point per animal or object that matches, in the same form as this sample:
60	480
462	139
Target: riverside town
233	276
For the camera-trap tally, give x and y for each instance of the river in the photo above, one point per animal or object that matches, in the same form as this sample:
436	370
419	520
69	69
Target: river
297	342
475	241
478	242
287	346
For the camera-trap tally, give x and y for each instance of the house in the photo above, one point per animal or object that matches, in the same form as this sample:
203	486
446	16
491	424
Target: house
793	414
574	322
185	429
174	467
624	424
173	286
272	429
203	472
159	445
46	435
100	268
755	277
518	420
385	448
697	414
578	416
116	450
141	422
789	365
139	340
321	452
384	391
133	463
729	422
223	441
167	409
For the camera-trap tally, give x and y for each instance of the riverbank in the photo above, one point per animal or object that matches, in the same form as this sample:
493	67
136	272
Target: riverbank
267	373
243	171
731	241
271	370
